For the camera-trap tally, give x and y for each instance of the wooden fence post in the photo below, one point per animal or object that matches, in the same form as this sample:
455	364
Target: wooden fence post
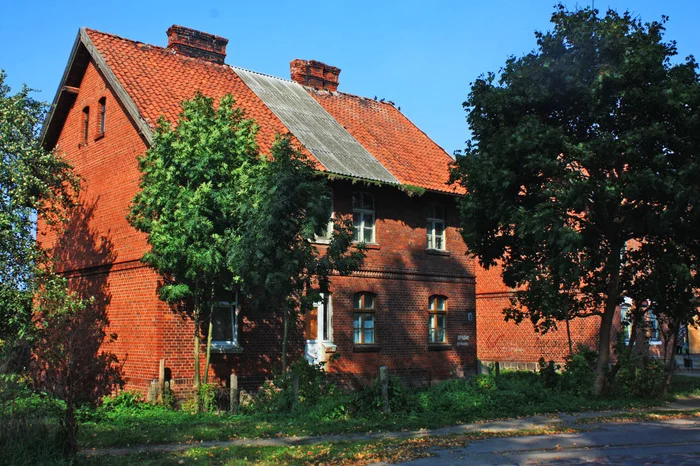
295	388
233	394
161	380
384	380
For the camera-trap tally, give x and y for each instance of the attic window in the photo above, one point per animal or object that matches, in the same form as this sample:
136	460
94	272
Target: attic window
103	113
86	124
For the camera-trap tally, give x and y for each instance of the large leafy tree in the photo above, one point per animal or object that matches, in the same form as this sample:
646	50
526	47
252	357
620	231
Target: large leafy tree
280	266
34	184
193	183
585	144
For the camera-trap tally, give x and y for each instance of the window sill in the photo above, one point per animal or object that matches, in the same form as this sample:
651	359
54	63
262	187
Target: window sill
226	348
437	252
368	246
365	349
439	346
325	241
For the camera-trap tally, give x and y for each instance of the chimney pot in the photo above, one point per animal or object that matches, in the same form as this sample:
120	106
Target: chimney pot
197	44
314	74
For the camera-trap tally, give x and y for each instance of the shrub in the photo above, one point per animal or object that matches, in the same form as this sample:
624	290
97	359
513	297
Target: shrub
638	377
30	424
548	373
579	371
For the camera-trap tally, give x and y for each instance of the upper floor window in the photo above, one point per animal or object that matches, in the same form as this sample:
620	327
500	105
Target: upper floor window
86	124
328	232
103	114
437	319
436	227
363	217
363	318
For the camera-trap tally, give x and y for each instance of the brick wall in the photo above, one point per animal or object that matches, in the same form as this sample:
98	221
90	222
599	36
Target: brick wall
518	346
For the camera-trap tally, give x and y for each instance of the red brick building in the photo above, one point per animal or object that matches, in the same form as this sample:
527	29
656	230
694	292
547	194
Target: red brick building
412	307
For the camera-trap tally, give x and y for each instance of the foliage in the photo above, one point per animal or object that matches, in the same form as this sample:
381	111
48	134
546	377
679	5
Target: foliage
67	361
30	430
33	184
579	370
193	184
204	400
586	143
279	265
548	373
640	378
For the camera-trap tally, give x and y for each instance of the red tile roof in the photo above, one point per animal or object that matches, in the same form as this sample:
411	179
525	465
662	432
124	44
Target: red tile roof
406	151
157	79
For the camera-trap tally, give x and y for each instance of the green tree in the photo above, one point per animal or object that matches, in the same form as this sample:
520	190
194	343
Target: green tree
193	183
67	360
279	265
579	147
34	184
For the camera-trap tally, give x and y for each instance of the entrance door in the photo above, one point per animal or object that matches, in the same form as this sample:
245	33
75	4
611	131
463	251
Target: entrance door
318	330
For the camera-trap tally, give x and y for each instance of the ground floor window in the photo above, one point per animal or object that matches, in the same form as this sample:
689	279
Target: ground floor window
363	319
225	324
437	319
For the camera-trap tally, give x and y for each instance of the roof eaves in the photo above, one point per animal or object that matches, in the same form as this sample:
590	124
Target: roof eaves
121	93
59	92
83	40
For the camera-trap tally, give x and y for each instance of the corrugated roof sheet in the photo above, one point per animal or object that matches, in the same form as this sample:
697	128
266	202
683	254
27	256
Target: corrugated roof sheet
315	128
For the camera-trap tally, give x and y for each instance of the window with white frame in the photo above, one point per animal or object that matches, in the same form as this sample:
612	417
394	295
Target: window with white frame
363	319
436	227
225	325
328	233
363	217
437	319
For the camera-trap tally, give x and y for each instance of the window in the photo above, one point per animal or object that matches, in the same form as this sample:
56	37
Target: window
326	236
363	319
86	124
436	227
437	309
363	217
103	113
225	325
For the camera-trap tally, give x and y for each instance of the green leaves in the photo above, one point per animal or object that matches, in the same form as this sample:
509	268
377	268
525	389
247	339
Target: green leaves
193	182
579	147
34	184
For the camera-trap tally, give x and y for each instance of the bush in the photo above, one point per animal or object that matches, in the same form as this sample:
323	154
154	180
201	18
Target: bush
30	424
638	377
579	371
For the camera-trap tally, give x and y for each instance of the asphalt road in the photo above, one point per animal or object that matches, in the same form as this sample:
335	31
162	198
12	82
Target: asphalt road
674	442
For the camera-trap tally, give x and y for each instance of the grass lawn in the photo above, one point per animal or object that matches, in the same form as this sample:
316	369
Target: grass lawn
457	402
125	423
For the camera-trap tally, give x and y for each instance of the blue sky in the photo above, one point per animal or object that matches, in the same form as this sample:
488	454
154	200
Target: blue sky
422	55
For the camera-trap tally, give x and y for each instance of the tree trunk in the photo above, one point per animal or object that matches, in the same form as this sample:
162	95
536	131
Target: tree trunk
209	332
195	317
285	317
70	425
670	355
568	336
602	366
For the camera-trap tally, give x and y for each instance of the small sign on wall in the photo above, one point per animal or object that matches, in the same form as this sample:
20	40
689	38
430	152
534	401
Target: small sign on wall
462	340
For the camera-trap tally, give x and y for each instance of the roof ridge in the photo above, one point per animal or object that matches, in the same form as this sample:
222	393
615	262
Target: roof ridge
117	36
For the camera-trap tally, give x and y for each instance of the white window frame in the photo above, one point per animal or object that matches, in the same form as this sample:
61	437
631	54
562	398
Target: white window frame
433	220
363	213
326	237
224	345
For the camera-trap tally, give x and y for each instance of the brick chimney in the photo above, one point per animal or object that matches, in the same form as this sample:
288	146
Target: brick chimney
197	44
314	74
